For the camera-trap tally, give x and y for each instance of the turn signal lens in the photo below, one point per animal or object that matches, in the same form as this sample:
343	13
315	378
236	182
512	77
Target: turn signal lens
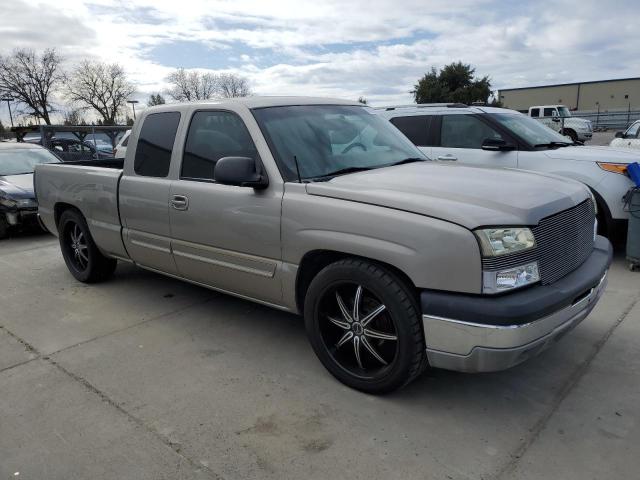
620	168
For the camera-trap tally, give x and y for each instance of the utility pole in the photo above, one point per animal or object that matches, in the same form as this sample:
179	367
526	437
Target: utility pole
133	105
8	99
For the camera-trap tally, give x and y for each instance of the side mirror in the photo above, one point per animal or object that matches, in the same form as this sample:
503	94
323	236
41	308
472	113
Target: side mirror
239	171
619	134
496	145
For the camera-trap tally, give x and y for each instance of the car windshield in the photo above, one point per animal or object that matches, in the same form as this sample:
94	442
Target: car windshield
24	161
564	112
329	140
531	131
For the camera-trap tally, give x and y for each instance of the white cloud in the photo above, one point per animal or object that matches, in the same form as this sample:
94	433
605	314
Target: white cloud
375	48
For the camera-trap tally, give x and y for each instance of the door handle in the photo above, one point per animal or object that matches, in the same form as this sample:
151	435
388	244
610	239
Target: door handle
448	157
180	202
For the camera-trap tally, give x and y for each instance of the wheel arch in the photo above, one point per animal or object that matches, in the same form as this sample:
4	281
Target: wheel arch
315	260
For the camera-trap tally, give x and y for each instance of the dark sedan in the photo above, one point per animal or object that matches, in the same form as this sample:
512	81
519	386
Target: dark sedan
18	206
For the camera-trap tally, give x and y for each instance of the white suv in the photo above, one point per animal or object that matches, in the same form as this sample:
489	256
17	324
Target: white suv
498	137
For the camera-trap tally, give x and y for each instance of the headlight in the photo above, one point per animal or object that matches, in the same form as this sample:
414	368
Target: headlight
620	168
501	241
508	279
26	203
7	202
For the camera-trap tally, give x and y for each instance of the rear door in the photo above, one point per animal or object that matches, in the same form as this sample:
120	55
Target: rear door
460	140
224	236
144	193
416	129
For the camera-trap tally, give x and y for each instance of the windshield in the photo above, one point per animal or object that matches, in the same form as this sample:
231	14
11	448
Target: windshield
564	112
19	161
327	139
530	130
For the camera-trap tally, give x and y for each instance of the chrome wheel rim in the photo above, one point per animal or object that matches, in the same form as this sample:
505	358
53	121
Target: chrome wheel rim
77	247
357	330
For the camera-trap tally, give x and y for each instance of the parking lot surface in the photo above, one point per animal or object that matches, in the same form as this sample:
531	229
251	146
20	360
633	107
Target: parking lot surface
148	377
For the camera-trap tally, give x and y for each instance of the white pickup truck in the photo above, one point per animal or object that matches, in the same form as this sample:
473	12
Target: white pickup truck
558	118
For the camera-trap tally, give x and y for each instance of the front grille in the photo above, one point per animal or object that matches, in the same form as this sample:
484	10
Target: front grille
563	243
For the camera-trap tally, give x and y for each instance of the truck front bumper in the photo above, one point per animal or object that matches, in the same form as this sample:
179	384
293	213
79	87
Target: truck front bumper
512	327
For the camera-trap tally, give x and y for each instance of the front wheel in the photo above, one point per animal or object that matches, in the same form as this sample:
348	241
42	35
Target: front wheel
85	262
364	325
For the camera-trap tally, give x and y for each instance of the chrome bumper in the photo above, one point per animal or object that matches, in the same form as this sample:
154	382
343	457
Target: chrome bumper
473	347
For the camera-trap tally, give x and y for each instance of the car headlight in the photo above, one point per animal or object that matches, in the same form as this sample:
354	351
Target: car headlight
26	203
8	202
502	241
508	279
620	168
496	242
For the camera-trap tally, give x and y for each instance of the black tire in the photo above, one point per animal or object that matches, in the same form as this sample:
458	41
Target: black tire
398	361
80	253
4	226
571	134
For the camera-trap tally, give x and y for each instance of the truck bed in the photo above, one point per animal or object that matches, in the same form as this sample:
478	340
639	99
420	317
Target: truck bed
92	188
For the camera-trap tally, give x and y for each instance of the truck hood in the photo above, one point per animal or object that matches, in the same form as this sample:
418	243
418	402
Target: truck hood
17	186
594	154
469	196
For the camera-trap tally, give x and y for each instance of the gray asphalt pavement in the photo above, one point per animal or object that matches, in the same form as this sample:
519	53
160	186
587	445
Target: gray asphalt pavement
147	377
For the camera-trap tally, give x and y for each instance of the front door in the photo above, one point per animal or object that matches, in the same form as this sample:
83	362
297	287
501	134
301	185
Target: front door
461	138
224	236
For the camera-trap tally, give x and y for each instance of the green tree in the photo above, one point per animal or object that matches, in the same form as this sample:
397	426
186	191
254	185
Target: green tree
1	129
155	99
362	100
453	83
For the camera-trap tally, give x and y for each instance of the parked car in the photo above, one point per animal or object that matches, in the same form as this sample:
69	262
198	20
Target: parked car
630	138
121	148
73	150
558	118
322	208
499	137
18	207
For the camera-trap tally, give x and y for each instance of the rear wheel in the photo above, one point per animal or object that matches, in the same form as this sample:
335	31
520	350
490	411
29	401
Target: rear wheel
80	253
364	325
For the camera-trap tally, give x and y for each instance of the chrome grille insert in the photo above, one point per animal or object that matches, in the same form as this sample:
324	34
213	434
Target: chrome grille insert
563	242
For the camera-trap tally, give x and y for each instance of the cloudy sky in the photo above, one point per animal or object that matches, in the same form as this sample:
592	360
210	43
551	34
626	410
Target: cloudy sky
342	48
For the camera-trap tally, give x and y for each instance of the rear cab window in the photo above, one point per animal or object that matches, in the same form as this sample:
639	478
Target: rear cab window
535	112
155	144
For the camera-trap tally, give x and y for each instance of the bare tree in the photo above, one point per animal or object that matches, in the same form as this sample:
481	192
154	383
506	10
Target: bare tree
231	85
31	79
100	86
74	117
155	99
190	86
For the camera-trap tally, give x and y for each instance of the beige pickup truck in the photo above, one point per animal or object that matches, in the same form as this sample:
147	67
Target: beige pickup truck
322	208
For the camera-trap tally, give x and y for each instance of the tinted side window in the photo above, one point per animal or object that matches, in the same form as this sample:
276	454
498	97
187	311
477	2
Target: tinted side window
633	130
414	128
465	131
535	112
155	144
548	112
211	136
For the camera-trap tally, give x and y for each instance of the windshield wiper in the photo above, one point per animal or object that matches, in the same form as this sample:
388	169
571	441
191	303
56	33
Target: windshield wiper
336	173
406	160
553	144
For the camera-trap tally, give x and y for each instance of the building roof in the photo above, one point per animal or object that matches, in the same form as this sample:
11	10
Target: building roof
568	84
